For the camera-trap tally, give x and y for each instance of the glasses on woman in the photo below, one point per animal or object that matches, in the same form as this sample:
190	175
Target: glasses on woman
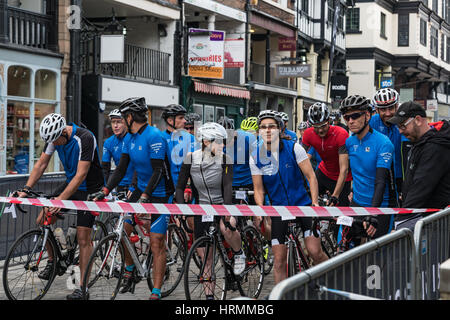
354	116
268	127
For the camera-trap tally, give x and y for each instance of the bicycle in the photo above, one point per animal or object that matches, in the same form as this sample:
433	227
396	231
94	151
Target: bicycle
107	269
297	260
215	272
29	255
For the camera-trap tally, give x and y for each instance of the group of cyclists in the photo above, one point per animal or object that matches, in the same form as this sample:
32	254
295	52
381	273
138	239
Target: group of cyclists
360	164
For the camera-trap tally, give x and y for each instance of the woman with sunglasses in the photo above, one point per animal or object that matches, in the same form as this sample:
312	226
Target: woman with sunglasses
371	161
278	168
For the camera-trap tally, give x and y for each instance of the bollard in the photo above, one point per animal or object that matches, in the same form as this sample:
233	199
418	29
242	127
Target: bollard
445	280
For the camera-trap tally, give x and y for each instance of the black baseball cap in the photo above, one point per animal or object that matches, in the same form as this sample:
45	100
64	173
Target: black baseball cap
407	110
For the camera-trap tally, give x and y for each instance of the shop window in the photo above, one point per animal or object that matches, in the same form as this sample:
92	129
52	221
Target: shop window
40	111
19	81
220	112
45	85
209	114
18	137
198	109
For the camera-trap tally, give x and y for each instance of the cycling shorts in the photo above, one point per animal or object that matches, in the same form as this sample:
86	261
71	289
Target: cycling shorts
280	229
159	222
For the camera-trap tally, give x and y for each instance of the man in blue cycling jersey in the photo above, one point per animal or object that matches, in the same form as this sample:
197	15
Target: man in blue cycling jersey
278	168
112	149
284	116
386	103
239	146
78	152
146	150
370	155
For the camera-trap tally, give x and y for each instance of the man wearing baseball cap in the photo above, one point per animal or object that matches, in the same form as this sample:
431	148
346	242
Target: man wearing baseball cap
427	177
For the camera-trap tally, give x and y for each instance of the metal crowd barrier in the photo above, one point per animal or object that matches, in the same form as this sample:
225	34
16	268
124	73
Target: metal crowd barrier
383	268
432	244
10	227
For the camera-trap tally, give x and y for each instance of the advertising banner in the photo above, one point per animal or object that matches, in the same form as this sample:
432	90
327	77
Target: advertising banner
234	53
287	44
206	53
293	70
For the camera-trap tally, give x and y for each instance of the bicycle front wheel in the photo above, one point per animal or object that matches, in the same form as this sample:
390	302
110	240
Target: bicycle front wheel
26	259
105	269
210	278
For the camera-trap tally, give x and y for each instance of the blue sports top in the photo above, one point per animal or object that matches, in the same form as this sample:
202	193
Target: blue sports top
179	144
315	155
141	147
243	145
291	134
396	138
284	187
374	151
112	148
81	146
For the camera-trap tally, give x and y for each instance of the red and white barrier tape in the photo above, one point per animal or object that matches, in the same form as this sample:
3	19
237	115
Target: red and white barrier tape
286	212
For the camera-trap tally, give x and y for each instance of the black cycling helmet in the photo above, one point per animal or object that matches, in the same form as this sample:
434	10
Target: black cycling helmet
318	113
173	110
191	118
136	105
354	103
226	122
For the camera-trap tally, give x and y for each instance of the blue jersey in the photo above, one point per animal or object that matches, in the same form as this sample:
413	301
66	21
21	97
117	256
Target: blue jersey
179	144
81	146
366	155
243	146
112	149
284	187
142	147
291	134
396	138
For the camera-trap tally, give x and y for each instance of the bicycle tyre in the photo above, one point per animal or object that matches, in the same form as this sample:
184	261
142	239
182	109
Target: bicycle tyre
174	268
252	278
192	277
291	260
105	278
34	238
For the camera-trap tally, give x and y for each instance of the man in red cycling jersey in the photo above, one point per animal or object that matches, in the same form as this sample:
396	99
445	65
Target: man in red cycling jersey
329	141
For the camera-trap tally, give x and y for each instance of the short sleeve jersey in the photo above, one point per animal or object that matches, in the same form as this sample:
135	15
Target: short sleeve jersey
328	149
374	151
81	146
142	147
112	149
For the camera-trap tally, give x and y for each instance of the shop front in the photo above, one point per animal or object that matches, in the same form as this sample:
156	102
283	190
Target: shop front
29	90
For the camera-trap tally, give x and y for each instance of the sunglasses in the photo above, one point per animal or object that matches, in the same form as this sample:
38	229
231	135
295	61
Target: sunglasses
403	125
320	126
354	116
189	128
269	127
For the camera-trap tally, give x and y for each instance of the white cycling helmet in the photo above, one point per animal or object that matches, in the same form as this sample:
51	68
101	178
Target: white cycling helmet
51	127
270	114
211	131
318	113
115	114
303	125
284	116
385	98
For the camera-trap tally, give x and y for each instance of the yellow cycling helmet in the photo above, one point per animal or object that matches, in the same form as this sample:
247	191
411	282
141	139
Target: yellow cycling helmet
250	123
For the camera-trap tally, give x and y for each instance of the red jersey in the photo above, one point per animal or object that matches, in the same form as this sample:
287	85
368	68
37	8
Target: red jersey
328	149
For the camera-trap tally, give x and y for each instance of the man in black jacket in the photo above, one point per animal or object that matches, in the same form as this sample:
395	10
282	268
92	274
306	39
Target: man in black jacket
427	178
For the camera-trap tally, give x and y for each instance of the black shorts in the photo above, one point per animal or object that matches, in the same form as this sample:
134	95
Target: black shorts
280	228
84	218
327	184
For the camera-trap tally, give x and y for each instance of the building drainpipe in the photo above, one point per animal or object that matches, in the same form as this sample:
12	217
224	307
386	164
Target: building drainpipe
247	53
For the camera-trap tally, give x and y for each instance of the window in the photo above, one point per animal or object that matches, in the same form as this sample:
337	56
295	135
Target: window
305	6
403	30
19	81
319	70
443	48
330	11
341	17
383	25
448	50
423	32
434	38
435	6
352	21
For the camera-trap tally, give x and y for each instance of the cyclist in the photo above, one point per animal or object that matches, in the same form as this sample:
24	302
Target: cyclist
211	174
191	120
302	126
146	151
386	103
332	174
278	167
78	152
370	154
284	116
112	149
335	117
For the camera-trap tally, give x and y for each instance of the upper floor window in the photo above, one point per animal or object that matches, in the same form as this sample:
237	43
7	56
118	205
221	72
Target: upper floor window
352	21
403	30
423	32
434	41
448	50
330	11
383	25
305	6
435	6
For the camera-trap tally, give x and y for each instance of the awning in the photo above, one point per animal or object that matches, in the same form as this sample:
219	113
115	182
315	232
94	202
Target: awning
221	90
